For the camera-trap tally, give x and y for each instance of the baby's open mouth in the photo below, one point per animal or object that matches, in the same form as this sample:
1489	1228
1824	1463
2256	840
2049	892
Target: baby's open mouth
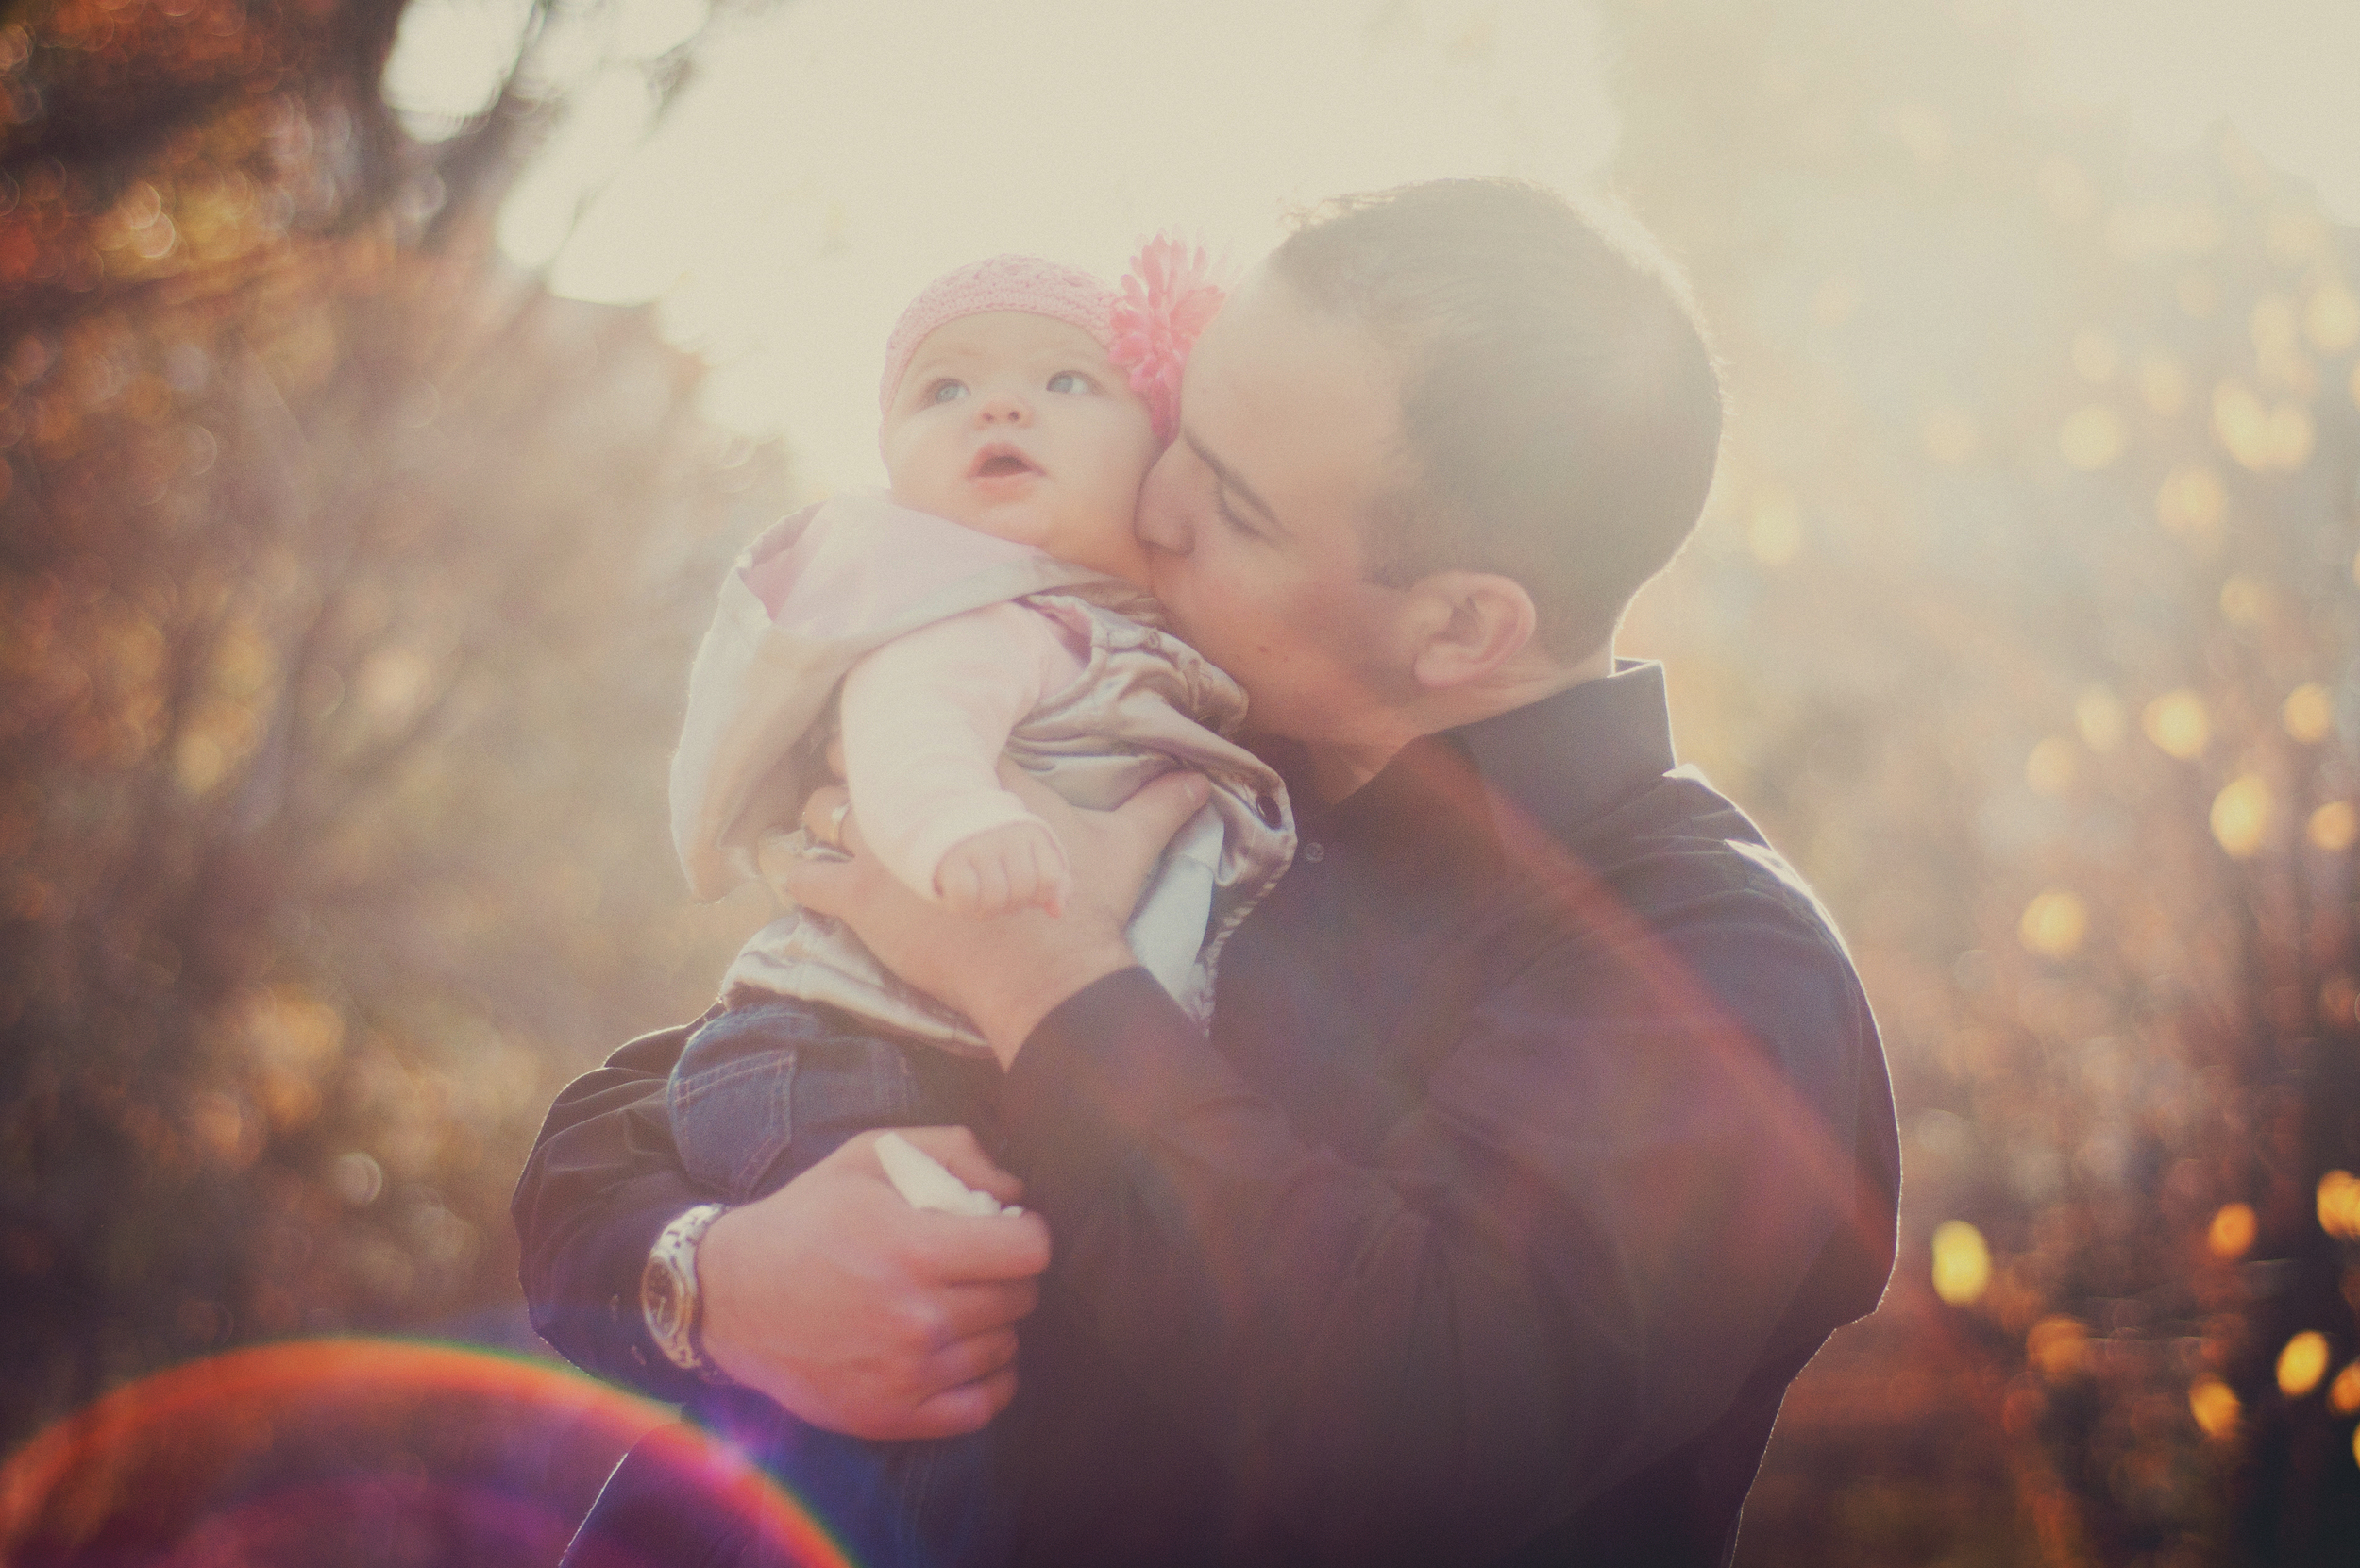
1001	461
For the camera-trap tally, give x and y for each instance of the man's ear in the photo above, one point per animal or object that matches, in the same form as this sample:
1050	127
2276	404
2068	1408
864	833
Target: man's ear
1468	624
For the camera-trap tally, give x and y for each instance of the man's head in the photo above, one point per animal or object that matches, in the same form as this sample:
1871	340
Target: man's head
1468	387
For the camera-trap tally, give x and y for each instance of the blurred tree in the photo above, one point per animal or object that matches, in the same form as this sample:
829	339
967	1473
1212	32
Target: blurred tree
2024	612
346	582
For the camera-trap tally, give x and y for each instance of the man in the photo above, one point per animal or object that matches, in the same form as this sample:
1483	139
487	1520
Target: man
1542	1134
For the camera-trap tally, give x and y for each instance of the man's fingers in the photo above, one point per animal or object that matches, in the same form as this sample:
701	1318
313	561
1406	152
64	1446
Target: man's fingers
987	1307
829	886
1161	807
966	1409
965	1247
976	1356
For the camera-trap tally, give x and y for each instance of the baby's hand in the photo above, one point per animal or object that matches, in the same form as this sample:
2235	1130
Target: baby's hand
1003	868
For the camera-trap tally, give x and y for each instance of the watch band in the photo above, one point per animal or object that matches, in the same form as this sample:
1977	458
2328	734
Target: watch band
668	1297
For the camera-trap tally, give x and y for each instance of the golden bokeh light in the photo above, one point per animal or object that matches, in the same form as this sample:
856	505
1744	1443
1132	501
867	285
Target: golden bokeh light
2332	319
2053	924
1961	1262
2343	1395
2333	827
2058	1347
2098	715
2303	1363
2050	768
2244	600
2092	437
2266	437
2242	814
2339	1204
2179	724
2308	712
2231	1234
2215	1406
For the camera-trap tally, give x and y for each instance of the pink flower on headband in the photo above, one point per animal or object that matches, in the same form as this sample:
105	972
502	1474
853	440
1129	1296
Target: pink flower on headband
1167	298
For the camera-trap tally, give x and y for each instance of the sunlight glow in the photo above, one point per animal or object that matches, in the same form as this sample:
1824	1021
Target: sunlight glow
832	155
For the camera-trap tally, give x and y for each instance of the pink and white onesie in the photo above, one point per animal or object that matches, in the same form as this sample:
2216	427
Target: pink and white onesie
934	641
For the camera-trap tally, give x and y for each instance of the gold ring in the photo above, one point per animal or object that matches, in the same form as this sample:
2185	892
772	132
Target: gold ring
836	822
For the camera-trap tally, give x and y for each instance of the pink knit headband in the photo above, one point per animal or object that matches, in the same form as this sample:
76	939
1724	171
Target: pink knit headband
1147	329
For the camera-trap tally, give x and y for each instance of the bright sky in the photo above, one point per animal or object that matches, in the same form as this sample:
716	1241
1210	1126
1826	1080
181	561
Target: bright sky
831	155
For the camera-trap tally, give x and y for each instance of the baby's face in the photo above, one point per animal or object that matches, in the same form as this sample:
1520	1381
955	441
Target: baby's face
1016	425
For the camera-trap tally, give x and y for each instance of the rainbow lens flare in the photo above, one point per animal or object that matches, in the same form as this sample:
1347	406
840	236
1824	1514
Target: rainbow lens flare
365	1452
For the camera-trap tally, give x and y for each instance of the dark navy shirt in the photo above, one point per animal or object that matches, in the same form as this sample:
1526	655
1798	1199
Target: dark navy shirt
1543	1136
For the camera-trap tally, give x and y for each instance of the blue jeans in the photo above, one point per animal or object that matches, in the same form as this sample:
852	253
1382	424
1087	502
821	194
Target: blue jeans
760	1094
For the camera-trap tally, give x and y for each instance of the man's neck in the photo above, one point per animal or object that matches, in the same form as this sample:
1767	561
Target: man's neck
1336	768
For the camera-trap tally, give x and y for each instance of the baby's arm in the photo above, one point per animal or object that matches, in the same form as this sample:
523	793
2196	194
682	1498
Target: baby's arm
925	718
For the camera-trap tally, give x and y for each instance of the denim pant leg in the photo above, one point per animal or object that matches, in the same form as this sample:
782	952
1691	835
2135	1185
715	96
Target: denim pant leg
761	1094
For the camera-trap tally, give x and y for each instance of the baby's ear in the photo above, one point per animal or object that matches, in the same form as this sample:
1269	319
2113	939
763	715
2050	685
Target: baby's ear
1468	624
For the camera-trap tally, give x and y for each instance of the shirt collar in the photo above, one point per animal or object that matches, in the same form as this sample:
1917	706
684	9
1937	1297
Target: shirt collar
1564	760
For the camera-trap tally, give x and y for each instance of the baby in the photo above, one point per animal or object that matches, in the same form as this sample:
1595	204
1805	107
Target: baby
989	605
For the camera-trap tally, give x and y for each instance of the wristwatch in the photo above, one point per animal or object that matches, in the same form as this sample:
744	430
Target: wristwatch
669	1298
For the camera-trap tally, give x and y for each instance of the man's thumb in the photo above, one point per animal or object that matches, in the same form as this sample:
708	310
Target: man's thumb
1158	809
824	886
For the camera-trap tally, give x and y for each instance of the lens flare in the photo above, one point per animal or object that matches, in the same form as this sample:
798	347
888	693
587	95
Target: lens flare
326	1449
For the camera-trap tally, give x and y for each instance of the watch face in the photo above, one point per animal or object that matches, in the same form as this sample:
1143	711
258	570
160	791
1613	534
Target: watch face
660	1298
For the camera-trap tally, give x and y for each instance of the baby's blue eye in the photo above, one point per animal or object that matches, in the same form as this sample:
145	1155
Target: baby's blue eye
1068	380
945	392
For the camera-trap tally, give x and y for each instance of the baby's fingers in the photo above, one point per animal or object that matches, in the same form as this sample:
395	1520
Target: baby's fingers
957	882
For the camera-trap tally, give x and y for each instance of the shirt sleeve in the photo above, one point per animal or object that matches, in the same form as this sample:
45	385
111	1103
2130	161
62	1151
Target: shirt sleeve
1573	1251
602	1181
925	719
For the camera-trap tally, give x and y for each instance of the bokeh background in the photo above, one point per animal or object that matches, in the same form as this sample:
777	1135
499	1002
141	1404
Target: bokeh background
383	387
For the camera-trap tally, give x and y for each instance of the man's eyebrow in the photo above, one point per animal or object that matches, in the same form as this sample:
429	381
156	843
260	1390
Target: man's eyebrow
1230	481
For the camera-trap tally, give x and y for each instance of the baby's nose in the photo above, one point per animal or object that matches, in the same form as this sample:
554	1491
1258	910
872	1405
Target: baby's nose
1004	407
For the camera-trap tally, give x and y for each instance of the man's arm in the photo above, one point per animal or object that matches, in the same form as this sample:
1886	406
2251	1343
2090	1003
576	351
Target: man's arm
1566	1260
832	1295
601	1181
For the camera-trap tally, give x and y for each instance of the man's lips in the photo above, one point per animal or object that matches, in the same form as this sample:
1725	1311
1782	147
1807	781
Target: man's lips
999	460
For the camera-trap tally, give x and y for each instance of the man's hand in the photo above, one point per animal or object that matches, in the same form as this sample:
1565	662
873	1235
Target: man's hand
1004	973
863	1315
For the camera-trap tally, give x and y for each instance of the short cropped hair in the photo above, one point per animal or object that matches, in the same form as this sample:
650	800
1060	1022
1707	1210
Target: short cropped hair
1559	401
